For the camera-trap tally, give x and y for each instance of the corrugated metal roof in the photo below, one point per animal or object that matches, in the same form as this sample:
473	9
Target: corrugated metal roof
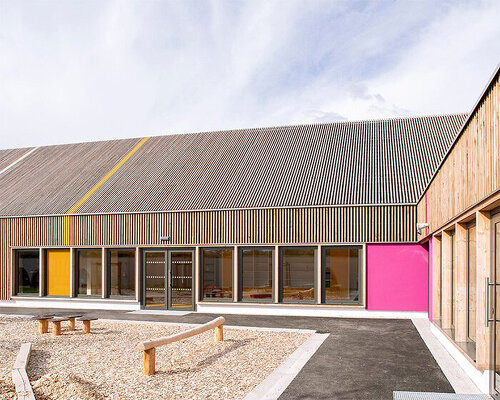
340	163
9	156
53	178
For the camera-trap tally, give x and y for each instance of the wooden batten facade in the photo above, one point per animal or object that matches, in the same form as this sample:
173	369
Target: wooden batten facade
471	171
377	224
461	206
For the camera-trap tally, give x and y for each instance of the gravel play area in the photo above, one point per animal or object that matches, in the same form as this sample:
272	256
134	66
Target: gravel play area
106	364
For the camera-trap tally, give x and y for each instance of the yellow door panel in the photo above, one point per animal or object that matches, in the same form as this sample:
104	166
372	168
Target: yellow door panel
58	273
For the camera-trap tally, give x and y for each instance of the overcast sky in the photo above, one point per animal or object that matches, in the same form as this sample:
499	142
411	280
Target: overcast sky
73	71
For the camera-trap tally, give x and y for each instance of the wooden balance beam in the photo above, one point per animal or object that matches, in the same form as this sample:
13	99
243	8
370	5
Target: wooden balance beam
148	346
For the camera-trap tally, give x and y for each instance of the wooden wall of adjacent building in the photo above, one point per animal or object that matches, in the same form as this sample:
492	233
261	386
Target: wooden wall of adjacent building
380	224
471	171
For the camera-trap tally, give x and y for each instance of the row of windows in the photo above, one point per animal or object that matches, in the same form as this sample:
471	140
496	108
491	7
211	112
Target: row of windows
295	283
120	273
341	272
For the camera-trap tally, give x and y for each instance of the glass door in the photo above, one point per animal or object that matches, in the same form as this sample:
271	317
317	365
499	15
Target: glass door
495	379
181	279
154	279
168	279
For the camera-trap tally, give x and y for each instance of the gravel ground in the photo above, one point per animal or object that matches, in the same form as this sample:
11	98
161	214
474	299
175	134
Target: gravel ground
107	365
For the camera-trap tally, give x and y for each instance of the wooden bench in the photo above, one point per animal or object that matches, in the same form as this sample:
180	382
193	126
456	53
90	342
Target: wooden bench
86	323
148	346
56	324
43	322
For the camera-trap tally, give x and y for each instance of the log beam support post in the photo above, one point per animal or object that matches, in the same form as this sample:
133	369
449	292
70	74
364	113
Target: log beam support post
43	326
219	333
56	328
148	361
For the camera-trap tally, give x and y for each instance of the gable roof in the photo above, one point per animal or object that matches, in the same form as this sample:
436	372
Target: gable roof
327	164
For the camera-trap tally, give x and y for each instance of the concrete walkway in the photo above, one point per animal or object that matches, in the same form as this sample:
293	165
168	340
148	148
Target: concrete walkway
360	359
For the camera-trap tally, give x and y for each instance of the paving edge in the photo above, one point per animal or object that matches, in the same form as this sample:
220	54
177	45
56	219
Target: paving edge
452	370
275	384
20	378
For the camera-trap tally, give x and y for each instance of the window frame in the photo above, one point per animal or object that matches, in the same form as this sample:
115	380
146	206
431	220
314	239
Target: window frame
281	275
361	264
240	275
202	277
469	226
107	275
76	277
16	273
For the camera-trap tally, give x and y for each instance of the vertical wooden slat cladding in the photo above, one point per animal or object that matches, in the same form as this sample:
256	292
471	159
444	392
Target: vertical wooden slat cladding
356	224
471	171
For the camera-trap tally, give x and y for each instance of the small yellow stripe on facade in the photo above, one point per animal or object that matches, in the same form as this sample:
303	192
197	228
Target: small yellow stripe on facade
106	177
66	234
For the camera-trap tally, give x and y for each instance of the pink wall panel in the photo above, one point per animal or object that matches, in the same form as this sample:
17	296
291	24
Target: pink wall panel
430	279
397	277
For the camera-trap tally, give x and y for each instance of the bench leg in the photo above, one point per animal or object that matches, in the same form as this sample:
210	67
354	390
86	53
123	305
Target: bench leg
56	328
43	326
71	325
86	326
219	334
148	361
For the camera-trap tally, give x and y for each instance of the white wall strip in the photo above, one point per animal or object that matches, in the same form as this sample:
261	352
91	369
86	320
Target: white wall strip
275	384
18	160
298	311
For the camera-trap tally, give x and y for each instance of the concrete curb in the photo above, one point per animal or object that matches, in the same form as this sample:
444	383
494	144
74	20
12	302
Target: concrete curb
275	384
20	377
453	371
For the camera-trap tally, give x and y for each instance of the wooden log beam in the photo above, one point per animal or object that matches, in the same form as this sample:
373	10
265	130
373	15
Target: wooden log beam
148	347
149	344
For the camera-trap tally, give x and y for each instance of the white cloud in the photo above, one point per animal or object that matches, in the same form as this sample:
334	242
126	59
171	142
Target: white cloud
78	71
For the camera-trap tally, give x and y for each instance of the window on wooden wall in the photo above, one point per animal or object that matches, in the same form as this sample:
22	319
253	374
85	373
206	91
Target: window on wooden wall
27	273
89	272
341	275
298	272
121	273
471	283
256	266
217	274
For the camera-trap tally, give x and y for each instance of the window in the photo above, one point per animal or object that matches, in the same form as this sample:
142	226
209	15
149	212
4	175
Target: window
298	266
27	272
471	283
217	273
256	273
89	272
121	273
341	275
